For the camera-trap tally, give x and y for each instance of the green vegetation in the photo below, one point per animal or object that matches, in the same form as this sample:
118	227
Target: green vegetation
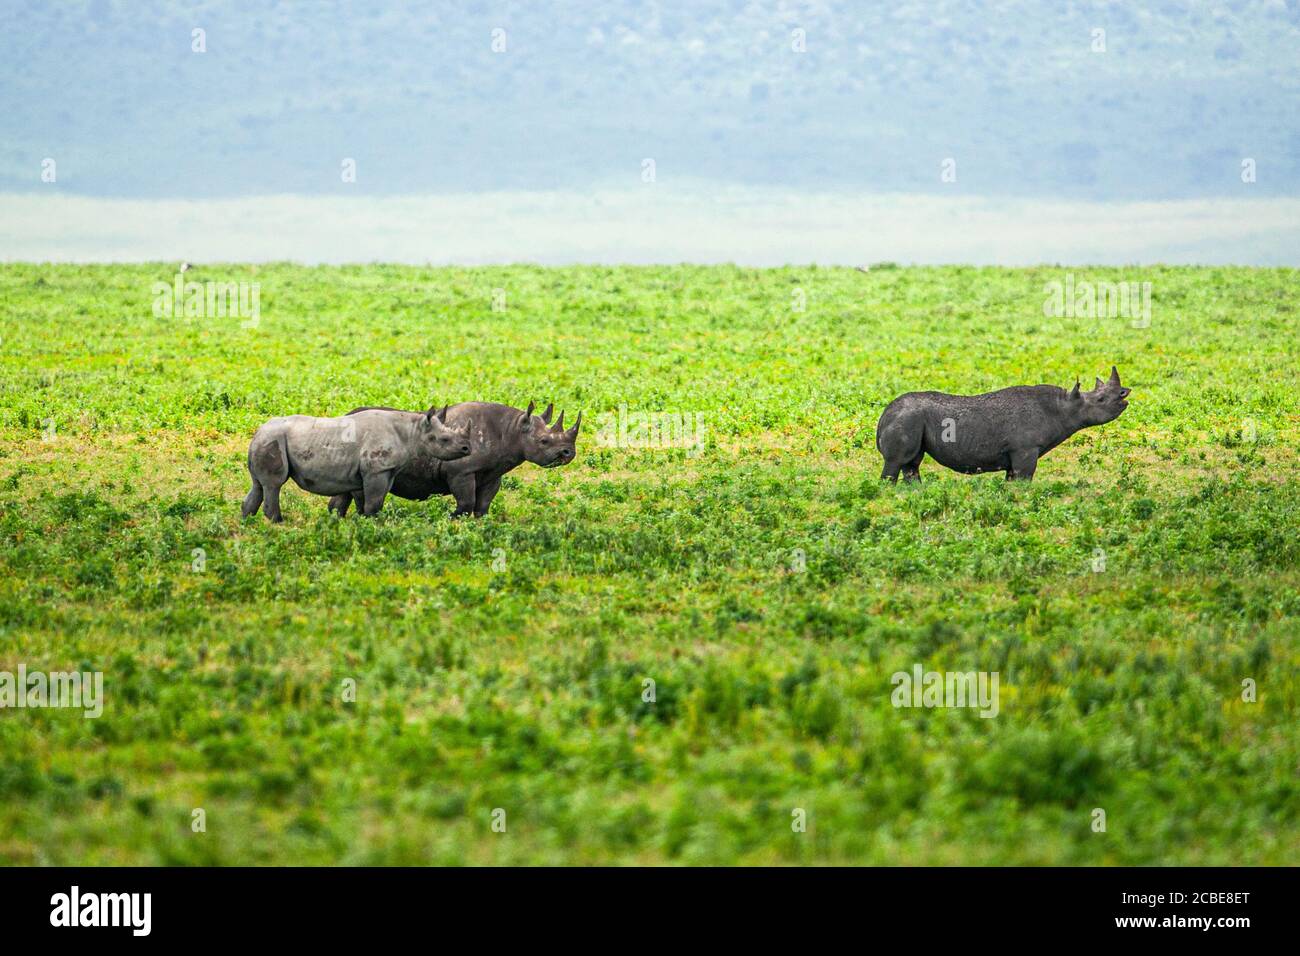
1123	597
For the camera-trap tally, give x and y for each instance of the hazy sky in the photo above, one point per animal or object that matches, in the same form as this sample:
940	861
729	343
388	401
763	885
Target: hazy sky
785	131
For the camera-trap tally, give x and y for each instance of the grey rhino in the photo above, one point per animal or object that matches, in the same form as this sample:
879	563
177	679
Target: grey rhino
359	455
504	438
1007	430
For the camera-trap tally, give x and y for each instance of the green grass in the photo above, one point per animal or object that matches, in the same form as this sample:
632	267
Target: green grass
481	688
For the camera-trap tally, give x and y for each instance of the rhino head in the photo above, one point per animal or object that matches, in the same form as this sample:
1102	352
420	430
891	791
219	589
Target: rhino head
1104	403
442	441
544	444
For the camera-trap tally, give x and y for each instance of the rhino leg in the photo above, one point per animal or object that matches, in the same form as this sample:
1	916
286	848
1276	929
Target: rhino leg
1023	464
912	469
899	438
268	463
271	506
375	488
341	503
486	492
253	500
463	487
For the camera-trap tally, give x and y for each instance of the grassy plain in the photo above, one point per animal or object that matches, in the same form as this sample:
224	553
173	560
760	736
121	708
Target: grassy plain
769	586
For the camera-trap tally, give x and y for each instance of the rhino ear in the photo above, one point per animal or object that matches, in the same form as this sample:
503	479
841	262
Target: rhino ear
1074	392
546	415
442	415
429	415
526	419
1098	385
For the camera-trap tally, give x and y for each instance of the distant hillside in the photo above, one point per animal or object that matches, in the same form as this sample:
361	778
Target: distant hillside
583	93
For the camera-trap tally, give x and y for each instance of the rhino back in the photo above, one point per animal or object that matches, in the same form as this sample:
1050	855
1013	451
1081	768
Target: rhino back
1006	409
1021	416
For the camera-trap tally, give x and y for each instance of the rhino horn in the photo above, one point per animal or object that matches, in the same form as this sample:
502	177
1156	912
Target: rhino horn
559	424
1114	377
573	432
546	415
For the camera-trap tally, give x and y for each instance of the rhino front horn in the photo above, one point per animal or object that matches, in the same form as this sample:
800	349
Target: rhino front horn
573	432
1114	375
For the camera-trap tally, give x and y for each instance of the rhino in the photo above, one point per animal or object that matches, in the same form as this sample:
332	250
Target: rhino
1007	430
357	455
504	438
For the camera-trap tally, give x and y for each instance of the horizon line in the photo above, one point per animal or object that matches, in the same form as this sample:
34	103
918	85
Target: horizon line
656	224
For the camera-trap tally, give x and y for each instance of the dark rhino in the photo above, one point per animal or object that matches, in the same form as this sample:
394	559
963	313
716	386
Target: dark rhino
1006	430
504	437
